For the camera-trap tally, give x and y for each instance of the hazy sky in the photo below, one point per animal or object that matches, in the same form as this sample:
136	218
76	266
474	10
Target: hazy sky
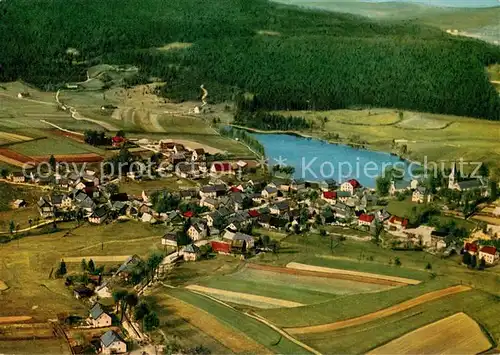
454	3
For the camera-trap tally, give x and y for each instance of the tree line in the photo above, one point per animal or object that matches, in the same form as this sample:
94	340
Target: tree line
270	121
320	60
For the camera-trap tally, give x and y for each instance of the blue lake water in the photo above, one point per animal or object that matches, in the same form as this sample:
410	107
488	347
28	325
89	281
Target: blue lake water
315	160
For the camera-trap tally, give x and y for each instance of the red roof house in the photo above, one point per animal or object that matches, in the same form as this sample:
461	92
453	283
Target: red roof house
254	213
117	141
188	214
366	218
355	183
221	168
234	189
398	222
329	195
221	247
471	248
489	250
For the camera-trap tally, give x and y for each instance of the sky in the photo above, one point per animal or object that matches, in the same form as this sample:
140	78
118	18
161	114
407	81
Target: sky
453	3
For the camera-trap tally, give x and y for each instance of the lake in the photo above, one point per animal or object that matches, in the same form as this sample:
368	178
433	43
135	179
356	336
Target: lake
316	160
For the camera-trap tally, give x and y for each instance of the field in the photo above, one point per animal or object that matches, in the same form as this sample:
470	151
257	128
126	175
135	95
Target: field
457	334
42	346
27	262
423	133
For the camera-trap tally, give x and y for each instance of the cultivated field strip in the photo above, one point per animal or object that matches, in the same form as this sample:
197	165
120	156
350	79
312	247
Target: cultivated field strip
457	334
231	338
14	319
245	298
97	258
402	280
428	297
341	276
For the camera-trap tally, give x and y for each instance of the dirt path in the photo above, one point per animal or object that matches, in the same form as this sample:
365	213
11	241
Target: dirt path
338	276
14	319
299	266
428	297
245	298
232	339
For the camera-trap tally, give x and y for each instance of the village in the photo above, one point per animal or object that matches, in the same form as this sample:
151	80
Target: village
219	214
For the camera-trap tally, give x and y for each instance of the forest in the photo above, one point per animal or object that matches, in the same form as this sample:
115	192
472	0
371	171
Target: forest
270	121
286	57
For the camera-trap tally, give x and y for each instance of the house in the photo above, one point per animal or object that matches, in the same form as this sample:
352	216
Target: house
119	208
209	202
17	177
253	214
99	216
342	211
19	203
396	223
350	186
329	196
280	207
239	240
471	248
61	201
188	194
489	254
269	192
420	195
327	185
466	185
177	158
167	146
297	184
82	292
45	208
422	235
220	190
191	252
169	239
208	191
174	218
399	186
98	318
382	215
366	219
23	95
112	343
179	148
368	199
221	168
197	231
221	247
198	154
343	196
117	141
125	268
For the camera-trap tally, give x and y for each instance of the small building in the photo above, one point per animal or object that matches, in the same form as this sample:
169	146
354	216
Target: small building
210	203
197	231
366	219
82	292
350	186
221	168
489	254
329	196
198	154
99	216
169	239
208	191
61	201
420	195
112	343
45	208
328	185
280	207
19	203
343	196
117	141
297	184
17	177
396	223
239	240
221	247
471	248
98	318
269	192
191	252
399	186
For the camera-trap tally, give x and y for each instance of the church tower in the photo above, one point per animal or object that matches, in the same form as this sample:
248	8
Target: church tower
452	178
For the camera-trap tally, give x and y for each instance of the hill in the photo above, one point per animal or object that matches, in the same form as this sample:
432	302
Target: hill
290	58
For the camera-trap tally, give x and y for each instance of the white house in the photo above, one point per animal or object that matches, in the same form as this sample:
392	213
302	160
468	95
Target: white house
350	186
197	231
489	254
98	318
420	195
112	343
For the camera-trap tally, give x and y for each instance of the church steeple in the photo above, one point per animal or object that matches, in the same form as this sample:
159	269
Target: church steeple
451	178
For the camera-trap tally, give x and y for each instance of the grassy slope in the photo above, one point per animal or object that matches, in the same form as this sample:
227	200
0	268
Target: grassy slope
467	138
251	327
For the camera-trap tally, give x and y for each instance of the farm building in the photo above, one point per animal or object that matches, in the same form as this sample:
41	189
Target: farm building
191	253
329	196
112	343
489	254
366	219
221	247
98	318
350	186
169	239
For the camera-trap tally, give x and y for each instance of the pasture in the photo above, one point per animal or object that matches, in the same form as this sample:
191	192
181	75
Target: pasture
457	334
27	263
437	137
53	145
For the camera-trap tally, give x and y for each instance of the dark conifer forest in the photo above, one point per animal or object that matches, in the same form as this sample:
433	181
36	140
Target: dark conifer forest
286	57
